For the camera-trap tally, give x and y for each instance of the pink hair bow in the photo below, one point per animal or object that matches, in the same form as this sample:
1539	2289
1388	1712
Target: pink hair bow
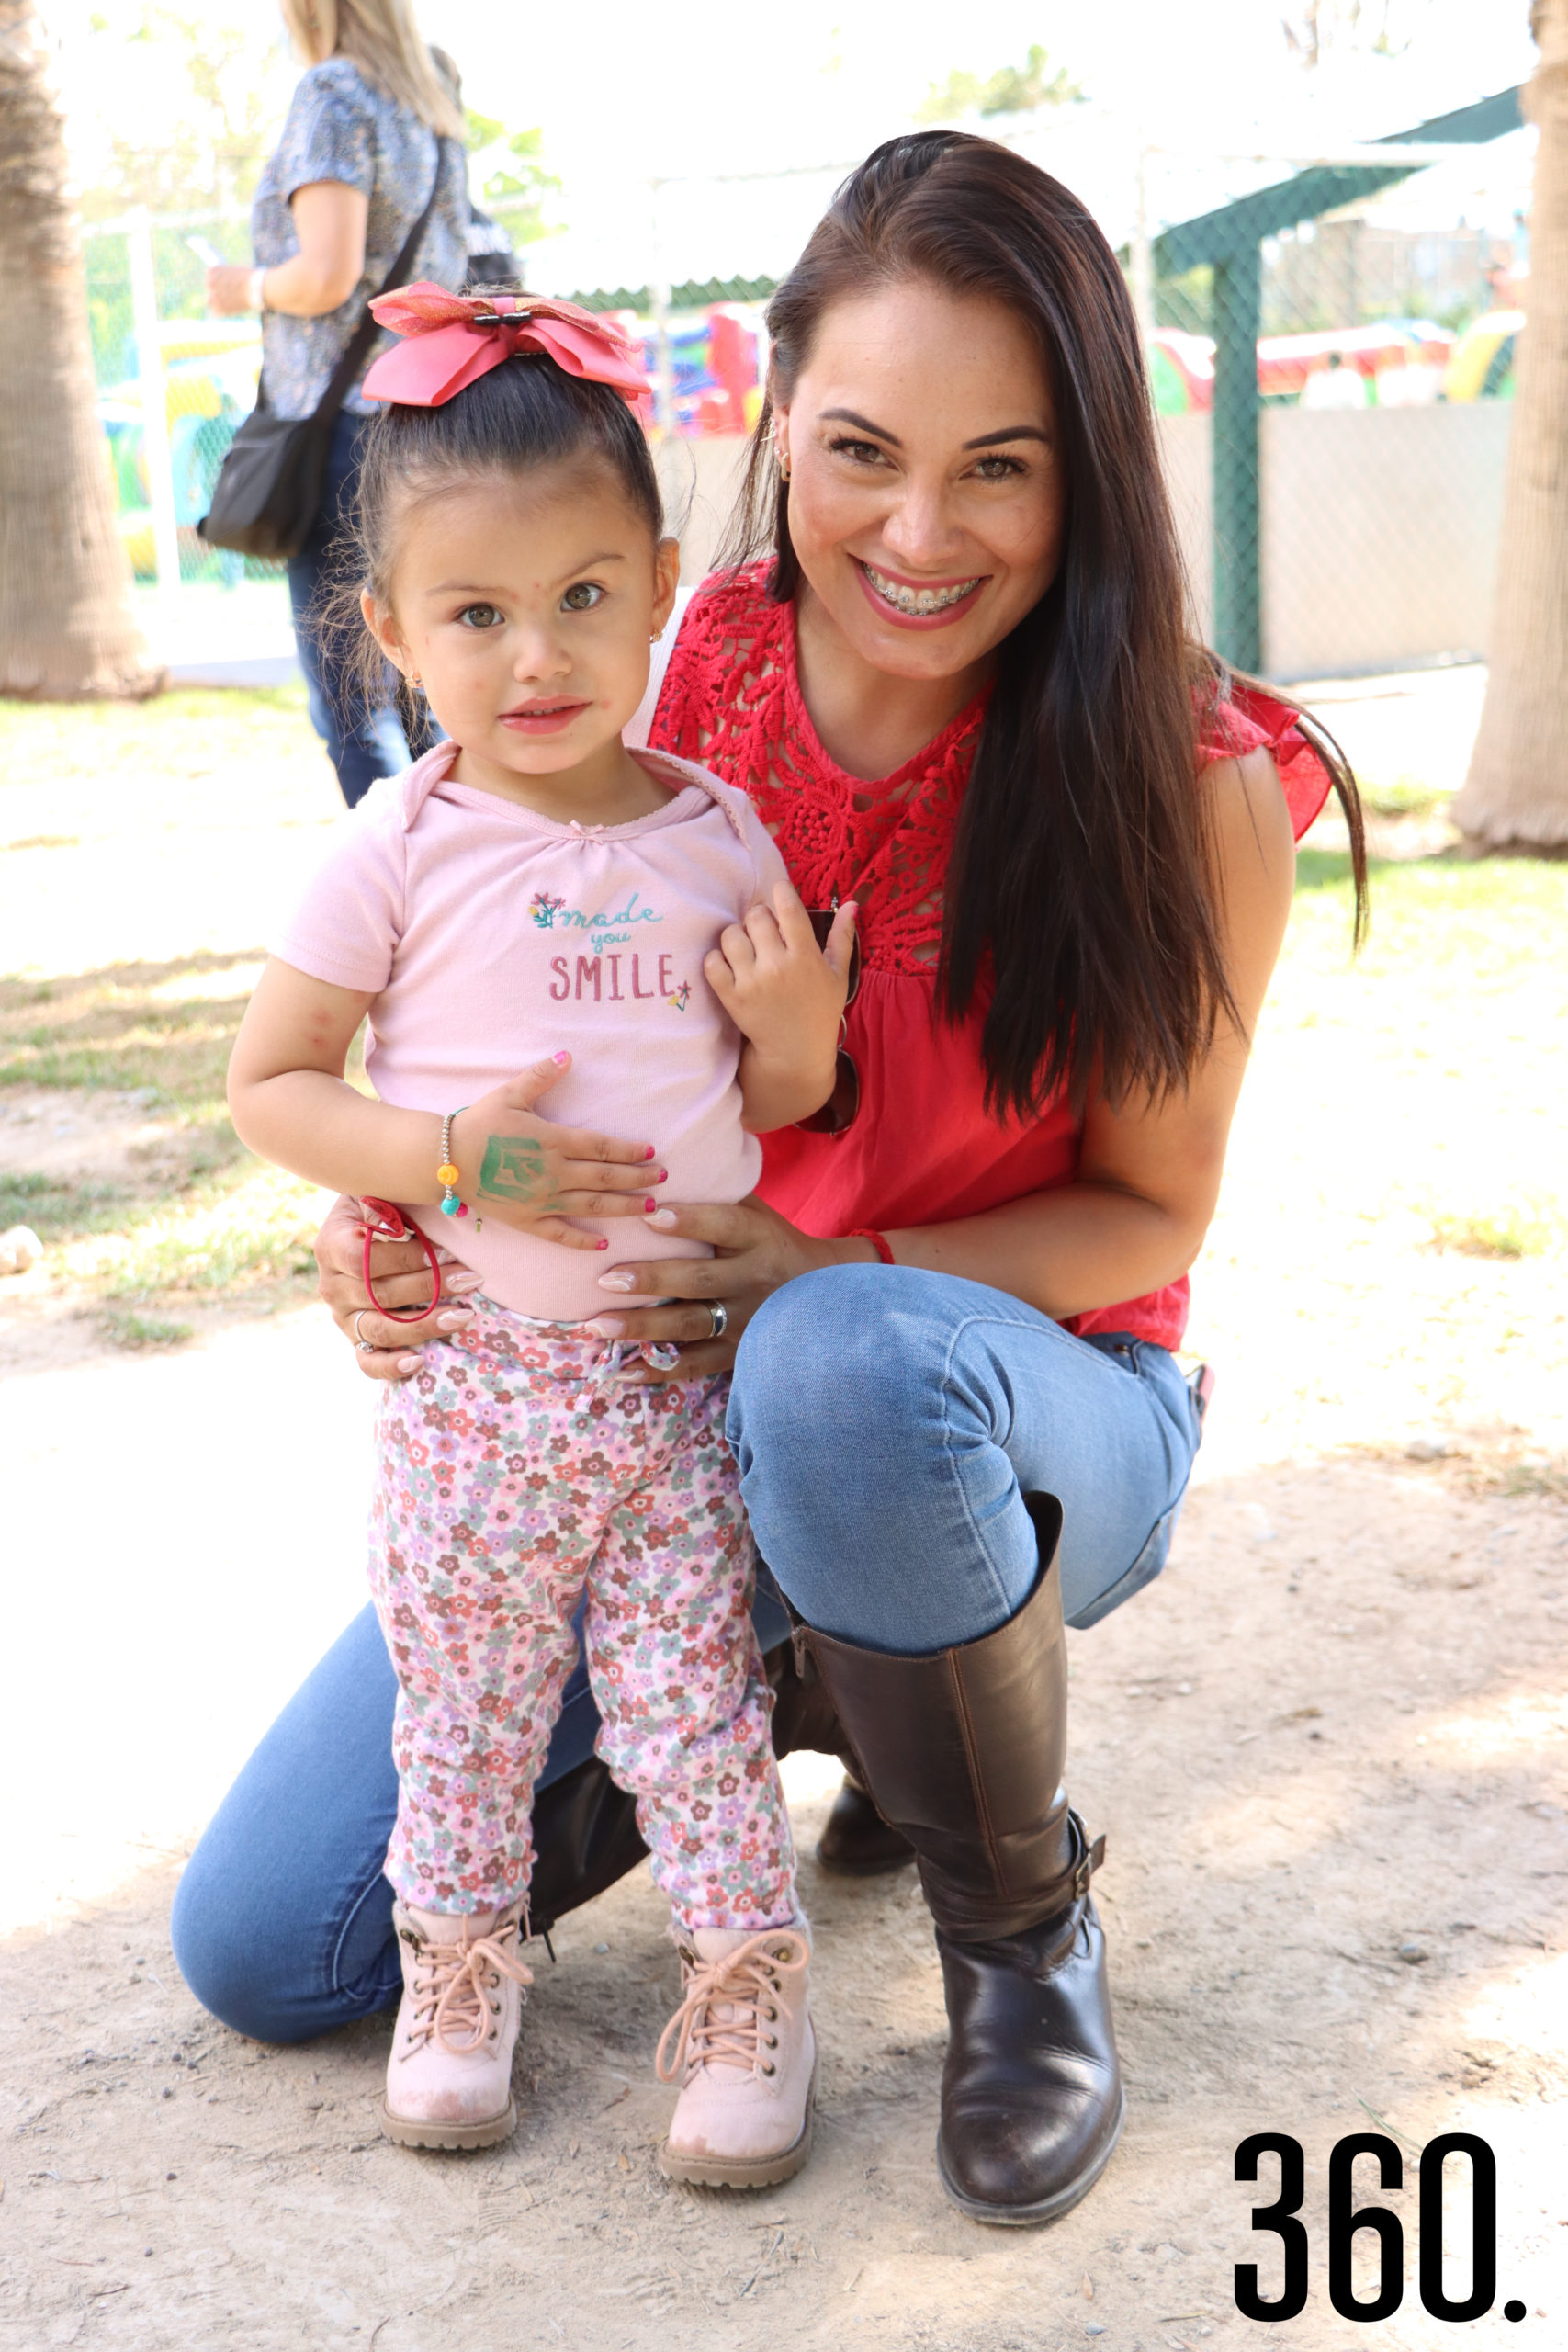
451	340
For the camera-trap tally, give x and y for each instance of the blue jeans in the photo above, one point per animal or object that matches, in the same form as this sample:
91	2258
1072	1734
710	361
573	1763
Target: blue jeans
362	744
887	1424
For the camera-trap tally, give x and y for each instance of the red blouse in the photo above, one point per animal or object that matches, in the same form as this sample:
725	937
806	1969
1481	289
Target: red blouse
923	1149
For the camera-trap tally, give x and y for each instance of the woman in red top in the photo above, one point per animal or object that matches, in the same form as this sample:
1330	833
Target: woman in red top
954	676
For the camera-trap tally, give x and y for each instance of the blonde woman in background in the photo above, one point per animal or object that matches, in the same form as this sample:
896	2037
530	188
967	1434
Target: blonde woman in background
371	125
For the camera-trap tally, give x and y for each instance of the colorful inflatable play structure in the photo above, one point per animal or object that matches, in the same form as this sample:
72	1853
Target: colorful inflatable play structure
1399	363
717	366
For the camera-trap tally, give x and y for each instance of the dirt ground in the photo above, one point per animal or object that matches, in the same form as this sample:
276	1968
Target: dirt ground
1337	1806
1329	1749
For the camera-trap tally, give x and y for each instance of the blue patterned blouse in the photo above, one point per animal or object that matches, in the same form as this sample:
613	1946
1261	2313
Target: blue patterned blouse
341	128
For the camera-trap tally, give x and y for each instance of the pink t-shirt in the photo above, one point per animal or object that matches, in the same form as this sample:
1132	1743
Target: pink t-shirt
493	937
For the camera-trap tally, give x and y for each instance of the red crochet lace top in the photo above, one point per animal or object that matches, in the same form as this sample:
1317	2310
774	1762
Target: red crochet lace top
923	1149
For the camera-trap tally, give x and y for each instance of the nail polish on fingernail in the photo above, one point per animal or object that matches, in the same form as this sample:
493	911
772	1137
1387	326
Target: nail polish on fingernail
600	1243
648	1153
662	1177
454	1319
605	1326
661	1217
650	1202
408	1363
461	1283
621	1279
561	1059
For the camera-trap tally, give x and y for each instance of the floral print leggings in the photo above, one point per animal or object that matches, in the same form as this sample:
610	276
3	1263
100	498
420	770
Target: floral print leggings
512	1470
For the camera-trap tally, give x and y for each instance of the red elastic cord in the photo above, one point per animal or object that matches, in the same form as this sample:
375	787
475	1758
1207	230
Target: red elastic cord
877	1240
384	1222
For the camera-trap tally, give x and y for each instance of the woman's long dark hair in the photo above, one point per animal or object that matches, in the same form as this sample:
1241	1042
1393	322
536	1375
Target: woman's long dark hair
1080	898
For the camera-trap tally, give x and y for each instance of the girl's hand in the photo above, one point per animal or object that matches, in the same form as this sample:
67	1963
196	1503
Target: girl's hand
528	1173
384	1351
783	992
786	997
756	1252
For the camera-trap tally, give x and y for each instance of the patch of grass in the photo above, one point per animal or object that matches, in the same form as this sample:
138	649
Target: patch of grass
178	733
1321	869
1489	914
1400	795
190	1212
1510	1232
206	1216
131	1027
144	1331
1542	1478
1538	1476
58	1210
214	1228
249	1225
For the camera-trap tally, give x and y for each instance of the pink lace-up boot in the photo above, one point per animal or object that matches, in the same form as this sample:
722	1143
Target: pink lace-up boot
449	2076
742	2046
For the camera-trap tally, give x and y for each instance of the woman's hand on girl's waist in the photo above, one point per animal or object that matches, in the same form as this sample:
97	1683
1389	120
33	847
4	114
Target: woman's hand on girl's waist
755	1252
385	1350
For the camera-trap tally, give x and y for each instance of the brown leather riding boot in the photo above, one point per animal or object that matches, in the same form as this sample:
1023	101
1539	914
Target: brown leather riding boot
856	1842
964	1753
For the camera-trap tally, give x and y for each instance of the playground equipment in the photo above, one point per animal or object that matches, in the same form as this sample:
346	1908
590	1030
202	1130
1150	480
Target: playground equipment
716	366
209	369
1401	363
1480	364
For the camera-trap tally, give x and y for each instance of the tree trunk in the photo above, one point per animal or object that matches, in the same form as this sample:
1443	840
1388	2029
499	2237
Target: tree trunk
1517	792
67	630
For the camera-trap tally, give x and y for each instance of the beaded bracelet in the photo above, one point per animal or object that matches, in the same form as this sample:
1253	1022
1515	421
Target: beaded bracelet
448	1175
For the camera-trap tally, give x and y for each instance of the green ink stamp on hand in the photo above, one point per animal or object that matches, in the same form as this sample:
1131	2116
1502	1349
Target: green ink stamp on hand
512	1168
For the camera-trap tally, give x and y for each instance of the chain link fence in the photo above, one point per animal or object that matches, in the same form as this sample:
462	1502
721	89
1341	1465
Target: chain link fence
1335	396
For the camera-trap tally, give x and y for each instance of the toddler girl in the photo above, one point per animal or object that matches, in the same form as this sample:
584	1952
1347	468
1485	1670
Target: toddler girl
532	896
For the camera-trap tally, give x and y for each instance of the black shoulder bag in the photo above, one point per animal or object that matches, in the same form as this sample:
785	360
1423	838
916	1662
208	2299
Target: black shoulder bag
268	490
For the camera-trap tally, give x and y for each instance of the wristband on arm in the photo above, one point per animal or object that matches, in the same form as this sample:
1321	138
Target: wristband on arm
878	1241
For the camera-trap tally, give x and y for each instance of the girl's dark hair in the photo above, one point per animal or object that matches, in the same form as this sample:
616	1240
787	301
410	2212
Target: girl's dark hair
527	413
1080	905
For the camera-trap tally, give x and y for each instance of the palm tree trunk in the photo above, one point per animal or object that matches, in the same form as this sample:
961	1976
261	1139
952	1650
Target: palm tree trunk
67	630
1517	791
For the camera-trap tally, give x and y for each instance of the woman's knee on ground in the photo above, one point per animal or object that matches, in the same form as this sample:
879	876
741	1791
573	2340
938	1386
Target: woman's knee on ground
223	1949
